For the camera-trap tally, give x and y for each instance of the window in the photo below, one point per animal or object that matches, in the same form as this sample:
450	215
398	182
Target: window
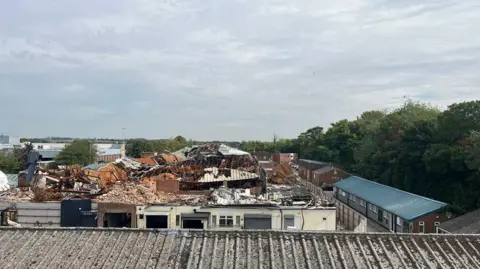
399	221
421	226
362	203
8	215
352	197
226	221
374	209
435	226
177	220
342	193
370	207
288	221
140	216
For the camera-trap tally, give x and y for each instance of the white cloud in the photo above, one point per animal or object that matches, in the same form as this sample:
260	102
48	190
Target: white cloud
218	70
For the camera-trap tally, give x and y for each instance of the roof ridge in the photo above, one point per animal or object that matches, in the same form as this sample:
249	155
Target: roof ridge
390	187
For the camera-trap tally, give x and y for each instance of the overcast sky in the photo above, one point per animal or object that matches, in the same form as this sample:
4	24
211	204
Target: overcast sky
227	70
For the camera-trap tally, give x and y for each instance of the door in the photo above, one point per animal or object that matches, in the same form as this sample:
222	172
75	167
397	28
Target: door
195	220
324	225
380	216
157	221
257	221
71	212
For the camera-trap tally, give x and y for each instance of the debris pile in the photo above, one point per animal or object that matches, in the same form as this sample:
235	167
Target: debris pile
196	166
141	182
283	174
138	194
16	195
226	196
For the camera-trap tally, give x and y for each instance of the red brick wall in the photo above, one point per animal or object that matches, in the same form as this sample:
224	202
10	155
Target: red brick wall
108	158
267	165
170	186
328	177
281	158
429	221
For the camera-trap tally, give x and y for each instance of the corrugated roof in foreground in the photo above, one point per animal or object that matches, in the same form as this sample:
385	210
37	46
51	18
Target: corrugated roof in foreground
135	248
406	205
465	224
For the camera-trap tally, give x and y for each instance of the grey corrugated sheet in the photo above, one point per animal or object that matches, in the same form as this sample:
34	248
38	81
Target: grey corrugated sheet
465	224
168	249
323	170
48	153
12	180
95	166
311	161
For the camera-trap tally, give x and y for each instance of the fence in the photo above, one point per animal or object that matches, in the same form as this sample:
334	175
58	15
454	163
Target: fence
349	218
324	196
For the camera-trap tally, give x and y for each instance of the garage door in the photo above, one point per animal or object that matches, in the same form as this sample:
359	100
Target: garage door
257	221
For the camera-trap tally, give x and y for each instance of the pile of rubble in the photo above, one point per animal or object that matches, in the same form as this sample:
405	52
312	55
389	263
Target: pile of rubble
226	196
194	168
199	164
138	194
283	174
17	195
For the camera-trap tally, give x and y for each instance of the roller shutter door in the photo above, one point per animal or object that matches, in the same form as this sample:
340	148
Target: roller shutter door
257	221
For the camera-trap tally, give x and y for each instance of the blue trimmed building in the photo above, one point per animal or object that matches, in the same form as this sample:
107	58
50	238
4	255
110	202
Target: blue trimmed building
396	210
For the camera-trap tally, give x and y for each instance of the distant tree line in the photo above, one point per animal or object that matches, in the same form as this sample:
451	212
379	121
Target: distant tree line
416	148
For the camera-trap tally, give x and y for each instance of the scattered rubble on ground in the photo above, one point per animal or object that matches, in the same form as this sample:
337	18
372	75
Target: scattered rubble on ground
210	162
226	196
229	175
16	195
283	174
138	194
128	180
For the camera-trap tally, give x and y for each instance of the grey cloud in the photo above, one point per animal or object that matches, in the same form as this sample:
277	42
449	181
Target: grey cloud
229	69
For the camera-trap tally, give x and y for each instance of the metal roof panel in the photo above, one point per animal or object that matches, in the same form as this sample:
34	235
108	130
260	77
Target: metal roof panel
75	248
406	205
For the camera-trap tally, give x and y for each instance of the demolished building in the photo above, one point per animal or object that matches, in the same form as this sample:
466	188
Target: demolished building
201	176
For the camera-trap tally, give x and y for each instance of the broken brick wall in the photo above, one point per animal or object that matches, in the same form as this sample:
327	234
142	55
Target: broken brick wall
170	186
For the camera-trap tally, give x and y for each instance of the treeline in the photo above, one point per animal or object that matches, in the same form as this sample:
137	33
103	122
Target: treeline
416	148
135	147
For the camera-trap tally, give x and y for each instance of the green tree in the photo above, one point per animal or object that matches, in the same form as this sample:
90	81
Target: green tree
80	152
9	164
135	147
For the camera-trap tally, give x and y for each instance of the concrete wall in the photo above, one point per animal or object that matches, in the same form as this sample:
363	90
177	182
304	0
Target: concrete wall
239	212
40	214
306	219
170	211
349	218
116	208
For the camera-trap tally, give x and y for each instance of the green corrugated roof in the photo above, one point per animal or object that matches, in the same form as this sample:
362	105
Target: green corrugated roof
95	166
406	205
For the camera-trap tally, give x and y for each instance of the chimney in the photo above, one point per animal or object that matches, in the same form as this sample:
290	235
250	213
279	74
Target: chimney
123	153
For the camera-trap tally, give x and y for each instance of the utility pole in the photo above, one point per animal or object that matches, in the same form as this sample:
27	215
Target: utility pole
90	150
123	134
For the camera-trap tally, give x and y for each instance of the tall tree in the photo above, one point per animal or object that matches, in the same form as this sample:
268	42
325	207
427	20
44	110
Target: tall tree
79	152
